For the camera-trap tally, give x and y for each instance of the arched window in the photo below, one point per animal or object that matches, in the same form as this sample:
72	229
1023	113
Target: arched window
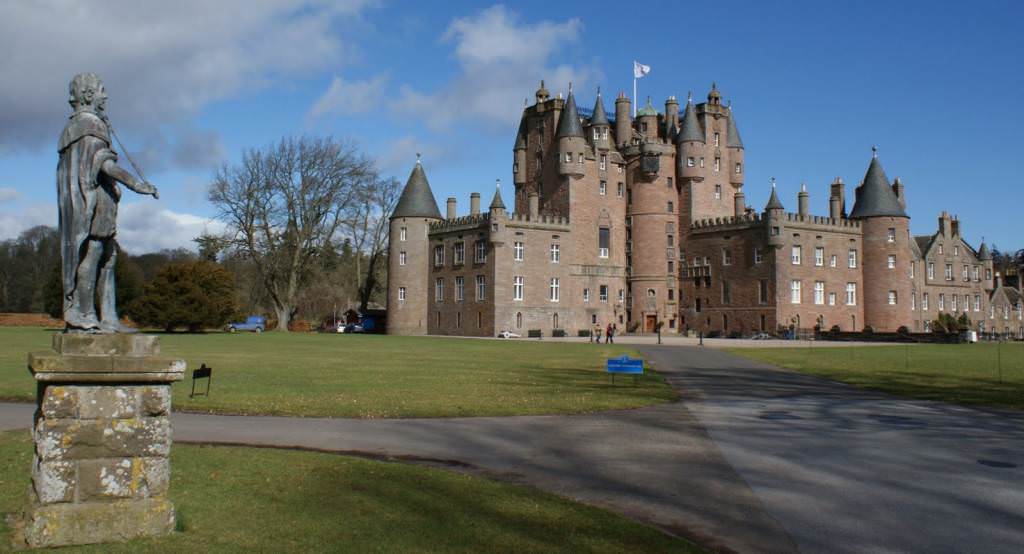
650	293
519	320
554	321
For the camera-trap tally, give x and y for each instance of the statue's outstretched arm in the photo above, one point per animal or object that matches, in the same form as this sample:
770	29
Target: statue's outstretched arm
120	175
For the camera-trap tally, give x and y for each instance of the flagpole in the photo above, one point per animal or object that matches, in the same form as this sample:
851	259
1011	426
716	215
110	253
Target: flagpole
634	96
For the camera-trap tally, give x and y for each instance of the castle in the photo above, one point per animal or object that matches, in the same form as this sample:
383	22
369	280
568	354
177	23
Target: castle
642	223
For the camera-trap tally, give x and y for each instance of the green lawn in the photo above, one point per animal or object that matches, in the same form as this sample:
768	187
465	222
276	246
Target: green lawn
375	376
958	373
233	499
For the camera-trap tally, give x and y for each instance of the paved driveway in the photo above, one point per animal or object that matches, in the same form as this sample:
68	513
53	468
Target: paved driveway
753	459
846	470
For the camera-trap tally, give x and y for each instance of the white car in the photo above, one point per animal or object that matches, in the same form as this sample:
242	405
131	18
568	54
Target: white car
509	335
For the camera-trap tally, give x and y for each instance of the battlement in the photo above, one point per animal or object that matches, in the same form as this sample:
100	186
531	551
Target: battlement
748	220
822	221
462	223
554	221
730	222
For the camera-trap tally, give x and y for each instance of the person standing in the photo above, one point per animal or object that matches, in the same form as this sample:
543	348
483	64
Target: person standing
608	334
597	333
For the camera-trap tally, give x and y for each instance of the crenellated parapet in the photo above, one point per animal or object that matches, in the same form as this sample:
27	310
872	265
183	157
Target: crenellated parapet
462	223
789	218
553	222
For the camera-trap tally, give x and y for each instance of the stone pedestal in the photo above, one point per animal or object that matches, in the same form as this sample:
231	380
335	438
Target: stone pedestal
102	440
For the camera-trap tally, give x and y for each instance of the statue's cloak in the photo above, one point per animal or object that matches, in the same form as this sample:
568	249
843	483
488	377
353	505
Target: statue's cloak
86	197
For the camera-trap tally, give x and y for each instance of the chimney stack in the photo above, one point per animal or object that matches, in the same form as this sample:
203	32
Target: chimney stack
474	203
834	209
451	208
955	223
802	200
839	191
534	206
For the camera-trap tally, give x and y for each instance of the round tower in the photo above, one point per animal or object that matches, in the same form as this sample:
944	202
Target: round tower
408	256
623	120
600	132
735	145
690	144
885	229
774	217
519	155
647	117
571	142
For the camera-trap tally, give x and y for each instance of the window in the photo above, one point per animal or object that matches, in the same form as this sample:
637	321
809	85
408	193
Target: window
517	287
831	299
568	157
518	249
949	272
892	262
690	162
671	294
924	301
603	293
556	254
459	253
602	189
621	187
726	256
942	302
718	192
622	296
519	320
851	294
460	289
891	237
965	273
717	138
458	320
554	289
974	274
758	256
671	207
515	167
819	292
718	164
977	303
833	260
480	252
401	258
481	287
604	162
892	298
852	258
726	293
671	240
913	301
586	295
952	302
956	250
819	256
401	234
940	249
603	240
795	255
913	267
931	270
618	167
794	292
579	159
439	290
762	291
401	294
438	256
671	267
988	274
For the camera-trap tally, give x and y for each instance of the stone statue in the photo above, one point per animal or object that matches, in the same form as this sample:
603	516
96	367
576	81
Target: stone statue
87	191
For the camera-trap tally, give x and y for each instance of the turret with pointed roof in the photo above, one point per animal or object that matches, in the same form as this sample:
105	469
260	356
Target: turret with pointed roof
570	137
733	140
773	200
691	129
417	199
569	122
875	197
983	252
599	117
497	203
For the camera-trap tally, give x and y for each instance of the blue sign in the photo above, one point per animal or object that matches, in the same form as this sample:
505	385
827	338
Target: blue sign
626	365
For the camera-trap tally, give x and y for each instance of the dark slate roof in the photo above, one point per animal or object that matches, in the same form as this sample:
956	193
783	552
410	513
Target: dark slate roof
691	129
773	202
599	117
569	124
733	140
417	199
875	197
521	136
1012	294
983	253
923	242
497	203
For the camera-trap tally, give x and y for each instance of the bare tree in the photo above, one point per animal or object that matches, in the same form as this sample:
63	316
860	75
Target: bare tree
367	228
284	204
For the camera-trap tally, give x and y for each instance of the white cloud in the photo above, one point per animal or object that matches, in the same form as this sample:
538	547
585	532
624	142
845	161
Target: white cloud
400	155
17	218
161	61
8	194
349	97
147	227
497	54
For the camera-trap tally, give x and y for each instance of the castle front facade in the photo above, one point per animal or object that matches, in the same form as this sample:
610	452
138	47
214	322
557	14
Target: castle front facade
641	223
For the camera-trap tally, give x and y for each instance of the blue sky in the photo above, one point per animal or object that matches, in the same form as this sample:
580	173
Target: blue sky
937	86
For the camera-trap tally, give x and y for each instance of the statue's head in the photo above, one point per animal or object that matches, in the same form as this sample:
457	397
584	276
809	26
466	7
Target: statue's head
87	93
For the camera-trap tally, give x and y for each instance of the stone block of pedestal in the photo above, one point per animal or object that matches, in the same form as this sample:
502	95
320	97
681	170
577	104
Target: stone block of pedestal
102	440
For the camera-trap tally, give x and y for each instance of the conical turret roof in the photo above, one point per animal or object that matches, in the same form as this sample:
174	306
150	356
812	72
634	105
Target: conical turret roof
983	253
599	117
734	140
497	202
875	197
521	136
773	201
569	123
417	199
691	129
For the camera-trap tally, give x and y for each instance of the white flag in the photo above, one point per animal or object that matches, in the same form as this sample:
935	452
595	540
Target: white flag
639	69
